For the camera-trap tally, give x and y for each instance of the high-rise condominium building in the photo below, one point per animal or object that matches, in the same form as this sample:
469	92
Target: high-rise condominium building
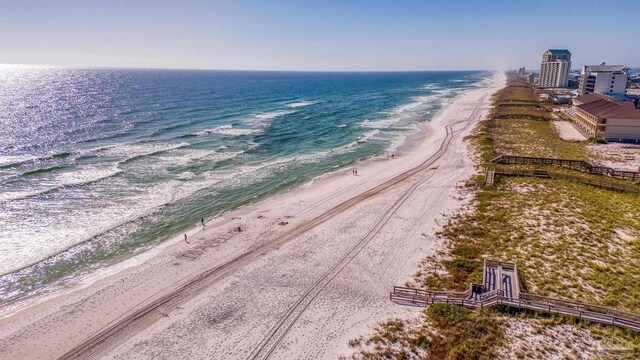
604	79
555	68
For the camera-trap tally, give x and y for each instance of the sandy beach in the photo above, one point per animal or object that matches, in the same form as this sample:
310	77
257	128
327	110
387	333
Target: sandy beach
294	276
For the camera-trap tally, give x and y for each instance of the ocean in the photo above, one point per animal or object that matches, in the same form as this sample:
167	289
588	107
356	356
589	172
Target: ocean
100	165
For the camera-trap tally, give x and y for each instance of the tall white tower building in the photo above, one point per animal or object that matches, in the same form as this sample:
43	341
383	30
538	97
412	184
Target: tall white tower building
555	68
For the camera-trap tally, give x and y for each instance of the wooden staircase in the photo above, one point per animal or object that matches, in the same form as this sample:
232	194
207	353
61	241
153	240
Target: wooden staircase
501	288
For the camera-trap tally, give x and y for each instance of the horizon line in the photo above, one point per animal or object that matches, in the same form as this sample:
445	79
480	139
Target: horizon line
99	67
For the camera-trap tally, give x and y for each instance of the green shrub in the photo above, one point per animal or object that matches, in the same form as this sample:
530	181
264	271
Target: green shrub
445	314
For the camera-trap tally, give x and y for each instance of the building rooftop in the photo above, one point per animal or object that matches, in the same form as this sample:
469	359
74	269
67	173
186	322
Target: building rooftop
559	51
605	68
616	109
585	99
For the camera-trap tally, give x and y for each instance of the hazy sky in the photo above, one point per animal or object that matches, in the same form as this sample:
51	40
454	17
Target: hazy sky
317	35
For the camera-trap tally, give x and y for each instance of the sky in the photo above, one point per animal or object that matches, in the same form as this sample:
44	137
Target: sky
317	35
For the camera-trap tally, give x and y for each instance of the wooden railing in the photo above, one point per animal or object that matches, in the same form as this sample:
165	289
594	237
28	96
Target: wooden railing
504	264
599	183
599	314
580	165
579	306
430	293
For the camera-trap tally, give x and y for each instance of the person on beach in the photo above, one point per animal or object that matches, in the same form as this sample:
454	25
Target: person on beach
202	221
356	172
185	239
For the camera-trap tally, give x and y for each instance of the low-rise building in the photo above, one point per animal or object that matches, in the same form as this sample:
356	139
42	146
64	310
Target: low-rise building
560	98
602	117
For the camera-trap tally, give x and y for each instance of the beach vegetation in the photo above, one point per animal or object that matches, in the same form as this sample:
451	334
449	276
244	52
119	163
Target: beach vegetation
444	331
570	240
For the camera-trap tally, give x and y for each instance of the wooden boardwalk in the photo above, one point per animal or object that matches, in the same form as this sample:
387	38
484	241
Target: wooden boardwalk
579	165
610	185
501	287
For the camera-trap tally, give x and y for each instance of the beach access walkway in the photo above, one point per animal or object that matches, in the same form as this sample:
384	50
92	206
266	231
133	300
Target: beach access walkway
573	164
501	287
492	175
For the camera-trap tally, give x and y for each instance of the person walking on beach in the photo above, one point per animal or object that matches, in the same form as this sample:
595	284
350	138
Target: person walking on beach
185	239
202	221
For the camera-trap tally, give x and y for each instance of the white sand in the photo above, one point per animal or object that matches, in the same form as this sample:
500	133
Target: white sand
567	131
617	155
317	288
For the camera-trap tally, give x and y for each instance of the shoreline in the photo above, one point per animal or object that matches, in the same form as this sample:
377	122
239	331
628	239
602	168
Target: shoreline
409	144
170	263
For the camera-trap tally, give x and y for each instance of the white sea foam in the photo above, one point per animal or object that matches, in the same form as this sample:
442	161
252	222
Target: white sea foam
79	225
260	118
81	176
16	159
187	175
184	158
417	105
267	167
380	124
228	130
368	136
403	114
301	104
444	92
239	132
133	151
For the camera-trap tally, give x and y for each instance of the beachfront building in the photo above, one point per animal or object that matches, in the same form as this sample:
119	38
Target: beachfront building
602	117
555	68
604	79
531	78
522	71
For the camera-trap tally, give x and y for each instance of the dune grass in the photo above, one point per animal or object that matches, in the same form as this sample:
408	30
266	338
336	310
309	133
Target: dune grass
533	138
445	331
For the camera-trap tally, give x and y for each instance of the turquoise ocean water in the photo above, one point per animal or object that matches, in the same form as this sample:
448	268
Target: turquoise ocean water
97	165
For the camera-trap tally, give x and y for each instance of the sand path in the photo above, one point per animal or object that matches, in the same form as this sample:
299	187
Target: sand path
295	291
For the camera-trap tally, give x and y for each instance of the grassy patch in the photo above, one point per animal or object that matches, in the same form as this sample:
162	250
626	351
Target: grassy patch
533	138
455	333
571	240
463	334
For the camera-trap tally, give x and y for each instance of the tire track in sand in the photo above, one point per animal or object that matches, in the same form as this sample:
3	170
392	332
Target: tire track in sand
139	319
278	332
